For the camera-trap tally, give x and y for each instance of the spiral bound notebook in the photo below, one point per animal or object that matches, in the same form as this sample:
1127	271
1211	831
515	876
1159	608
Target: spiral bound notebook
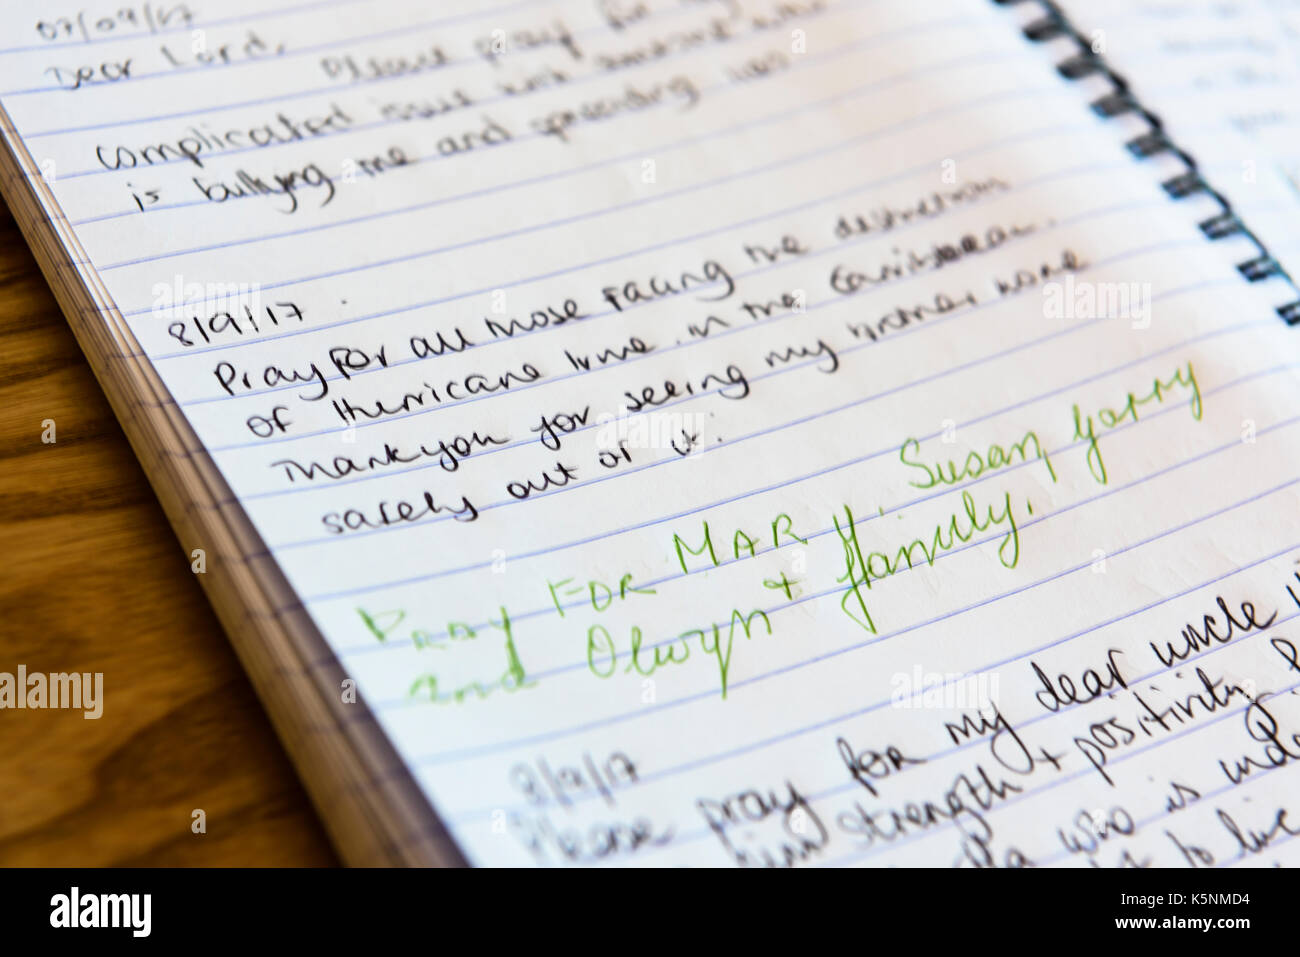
661	432
1226	79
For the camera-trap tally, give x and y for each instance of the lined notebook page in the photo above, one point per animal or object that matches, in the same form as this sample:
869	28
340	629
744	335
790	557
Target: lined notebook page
1225	77
716	432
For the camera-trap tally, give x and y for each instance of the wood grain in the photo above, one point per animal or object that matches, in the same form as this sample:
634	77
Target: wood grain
94	580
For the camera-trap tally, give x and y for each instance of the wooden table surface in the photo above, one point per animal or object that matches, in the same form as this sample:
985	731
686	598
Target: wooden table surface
94	580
